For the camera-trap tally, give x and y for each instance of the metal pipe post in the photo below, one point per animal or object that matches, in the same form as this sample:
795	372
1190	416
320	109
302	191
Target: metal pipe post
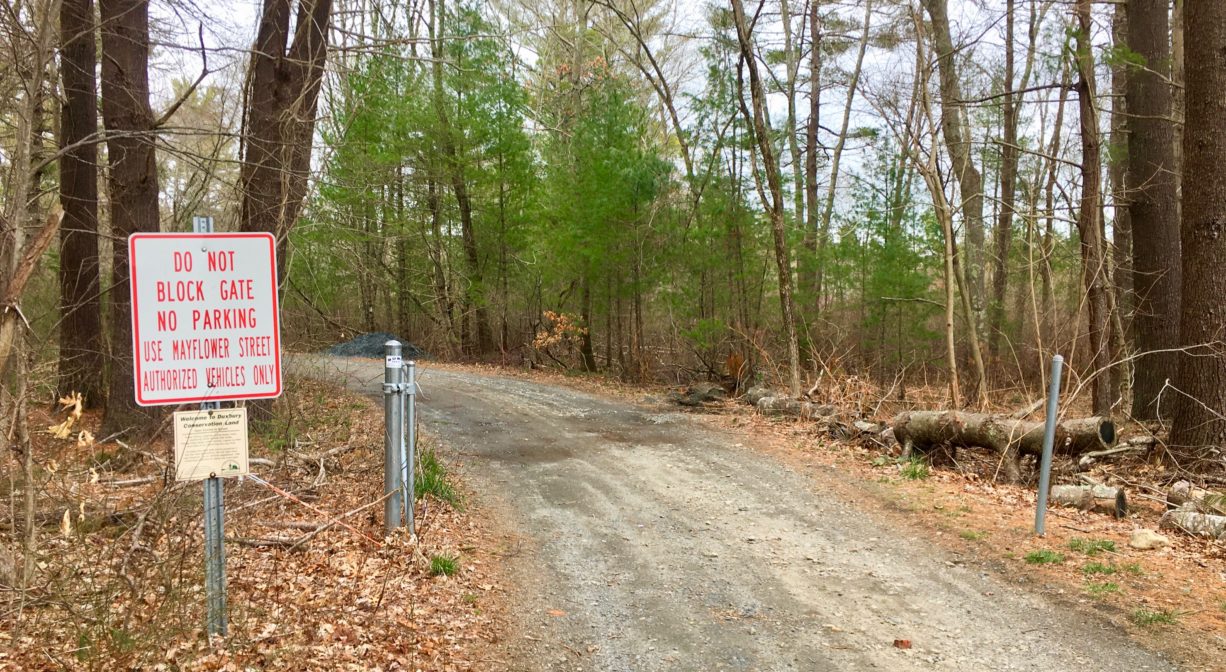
1049	438
392	391
215	556
411	459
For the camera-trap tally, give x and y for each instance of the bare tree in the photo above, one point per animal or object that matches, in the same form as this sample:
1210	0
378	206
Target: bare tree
775	205
956	129
282	92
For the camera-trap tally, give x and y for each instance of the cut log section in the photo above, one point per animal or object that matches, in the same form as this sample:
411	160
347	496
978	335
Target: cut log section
1100	498
925	430
786	406
1194	523
1189	497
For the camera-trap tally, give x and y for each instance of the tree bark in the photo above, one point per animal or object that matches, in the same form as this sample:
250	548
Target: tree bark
1152	205
1008	188
282	93
133	183
1121	220
775	206
924	430
1199	424
80	361
1089	220
956	129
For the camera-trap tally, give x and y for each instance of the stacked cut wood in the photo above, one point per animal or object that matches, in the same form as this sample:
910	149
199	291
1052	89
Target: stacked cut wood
1195	511
924	431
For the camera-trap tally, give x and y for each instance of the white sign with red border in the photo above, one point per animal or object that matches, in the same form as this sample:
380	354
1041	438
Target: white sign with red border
205	319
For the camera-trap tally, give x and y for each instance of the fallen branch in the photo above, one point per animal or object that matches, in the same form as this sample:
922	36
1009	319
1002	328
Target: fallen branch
1093	456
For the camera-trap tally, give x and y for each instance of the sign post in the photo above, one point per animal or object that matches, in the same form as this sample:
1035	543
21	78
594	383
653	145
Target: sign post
206	329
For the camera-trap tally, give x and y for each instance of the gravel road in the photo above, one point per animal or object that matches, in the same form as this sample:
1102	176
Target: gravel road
652	542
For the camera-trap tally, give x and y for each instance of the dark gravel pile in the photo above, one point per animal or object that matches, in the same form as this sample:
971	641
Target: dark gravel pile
371	345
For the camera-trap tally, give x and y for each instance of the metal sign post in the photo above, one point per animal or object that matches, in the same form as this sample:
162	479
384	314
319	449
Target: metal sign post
393	439
206	329
1049	438
214	519
215	548
409	457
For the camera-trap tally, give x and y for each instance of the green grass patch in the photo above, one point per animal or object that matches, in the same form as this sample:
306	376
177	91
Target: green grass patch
444	565
1134	568
430	477
1044	557
914	469
972	535
1093	568
1102	589
1091	547
1149	617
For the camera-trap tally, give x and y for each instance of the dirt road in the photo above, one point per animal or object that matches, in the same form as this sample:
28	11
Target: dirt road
655	543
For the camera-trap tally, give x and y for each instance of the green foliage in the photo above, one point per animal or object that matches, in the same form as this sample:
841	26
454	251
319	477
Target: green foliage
1093	568
1044	557
972	535
430	477
1149	617
915	469
1134	568
444	565
1102	589
1091	547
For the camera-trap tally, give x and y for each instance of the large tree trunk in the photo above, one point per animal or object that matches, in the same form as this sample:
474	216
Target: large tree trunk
81	344
956	129
1089	220
1152	204
783	260
282	92
1199	424
133	182
1008	187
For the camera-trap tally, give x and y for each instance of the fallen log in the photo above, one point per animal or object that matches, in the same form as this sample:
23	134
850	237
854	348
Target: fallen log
924	430
1100	498
1194	523
1189	497
787	406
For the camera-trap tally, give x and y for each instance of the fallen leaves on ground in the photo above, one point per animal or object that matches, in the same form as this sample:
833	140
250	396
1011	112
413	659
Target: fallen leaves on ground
122	584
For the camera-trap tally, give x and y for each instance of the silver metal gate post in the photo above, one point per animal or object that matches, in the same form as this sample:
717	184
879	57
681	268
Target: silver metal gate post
411	458
392	390
1049	438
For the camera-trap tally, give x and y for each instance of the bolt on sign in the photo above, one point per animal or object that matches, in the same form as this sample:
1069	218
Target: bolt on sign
205	319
